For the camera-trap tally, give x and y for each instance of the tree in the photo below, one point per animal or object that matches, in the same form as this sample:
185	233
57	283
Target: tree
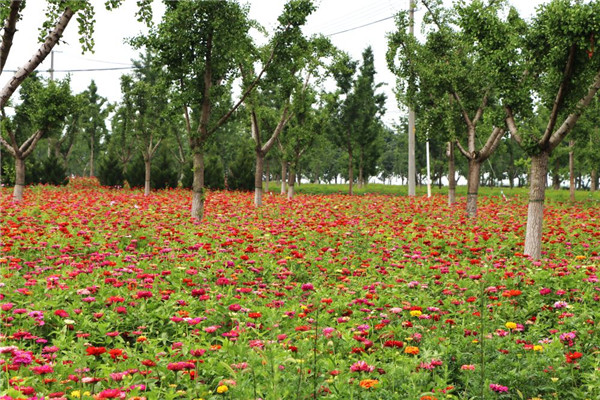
94	114
369	107
555	68
296	60
58	15
300	133
340	106
454	62
202	63
43	109
144	91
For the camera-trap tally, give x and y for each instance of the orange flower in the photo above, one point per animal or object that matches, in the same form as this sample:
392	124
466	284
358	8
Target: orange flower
411	350
368	383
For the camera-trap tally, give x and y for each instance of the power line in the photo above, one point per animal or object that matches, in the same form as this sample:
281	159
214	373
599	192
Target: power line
361	26
82	70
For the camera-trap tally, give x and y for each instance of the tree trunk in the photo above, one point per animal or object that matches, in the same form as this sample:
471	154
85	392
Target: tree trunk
198	185
283	176
451	175
473	187
291	182
147	176
267	180
535	211
92	143
593	180
361	178
19	179
39	56
258	175
350	173
571	170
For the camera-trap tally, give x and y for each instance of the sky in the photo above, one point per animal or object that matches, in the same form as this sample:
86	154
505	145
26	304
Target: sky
352	25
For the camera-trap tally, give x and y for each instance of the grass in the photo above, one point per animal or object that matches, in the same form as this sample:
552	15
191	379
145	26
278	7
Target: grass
552	195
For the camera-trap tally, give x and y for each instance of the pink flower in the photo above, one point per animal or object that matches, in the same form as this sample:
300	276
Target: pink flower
235	307
197	352
212	329
180	366
498	388
42	369
307	287
361	366
111	394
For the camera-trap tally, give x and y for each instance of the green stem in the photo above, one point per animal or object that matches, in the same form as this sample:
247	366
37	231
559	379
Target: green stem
481	337
315	354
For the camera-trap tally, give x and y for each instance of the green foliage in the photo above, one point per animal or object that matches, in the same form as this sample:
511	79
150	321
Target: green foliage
110	170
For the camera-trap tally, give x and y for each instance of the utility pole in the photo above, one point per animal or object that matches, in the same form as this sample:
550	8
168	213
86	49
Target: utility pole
52	65
411	119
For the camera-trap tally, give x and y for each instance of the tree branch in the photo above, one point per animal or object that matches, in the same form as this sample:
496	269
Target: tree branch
491	144
37	58
479	112
462	109
462	150
248	90
254	129
8	147
512	126
570	121
559	98
280	125
433	16
9	32
29	145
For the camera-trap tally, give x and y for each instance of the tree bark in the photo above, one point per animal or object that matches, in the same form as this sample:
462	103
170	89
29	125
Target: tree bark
147	176
556	175
10	28
594	180
39	56
92	143
198	185
350	172
267	180
19	179
258	175
283	176
473	187
451	174
361	178
571	170
291	182
535	211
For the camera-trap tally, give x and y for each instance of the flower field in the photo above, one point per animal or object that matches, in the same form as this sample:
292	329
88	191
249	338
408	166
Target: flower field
109	294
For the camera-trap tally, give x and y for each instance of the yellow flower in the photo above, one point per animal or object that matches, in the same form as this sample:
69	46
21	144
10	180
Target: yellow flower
538	347
511	325
222	389
76	394
415	313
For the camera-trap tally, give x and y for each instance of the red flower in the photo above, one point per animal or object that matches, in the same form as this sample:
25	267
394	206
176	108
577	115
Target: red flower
95	351
254	315
115	353
571	357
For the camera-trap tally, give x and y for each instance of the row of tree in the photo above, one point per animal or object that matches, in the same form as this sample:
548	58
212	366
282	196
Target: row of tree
481	68
483	71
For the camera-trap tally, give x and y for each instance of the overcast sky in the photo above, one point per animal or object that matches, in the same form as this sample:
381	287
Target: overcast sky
352	25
